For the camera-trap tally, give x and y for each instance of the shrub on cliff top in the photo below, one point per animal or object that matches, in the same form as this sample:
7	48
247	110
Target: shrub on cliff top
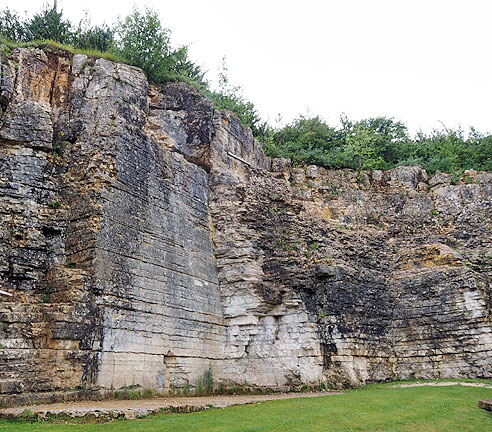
378	143
12	27
49	24
229	97
139	38
144	42
89	37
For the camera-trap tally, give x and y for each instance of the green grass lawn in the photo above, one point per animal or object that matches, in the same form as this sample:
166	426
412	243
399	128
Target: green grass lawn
374	408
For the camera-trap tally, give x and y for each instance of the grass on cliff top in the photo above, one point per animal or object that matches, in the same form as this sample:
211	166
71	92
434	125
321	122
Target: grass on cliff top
373	408
46	45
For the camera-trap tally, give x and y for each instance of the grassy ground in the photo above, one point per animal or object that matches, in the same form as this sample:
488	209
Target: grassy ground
374	408
7	46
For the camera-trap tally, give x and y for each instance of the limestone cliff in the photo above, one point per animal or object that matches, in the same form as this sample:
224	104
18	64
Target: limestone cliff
147	239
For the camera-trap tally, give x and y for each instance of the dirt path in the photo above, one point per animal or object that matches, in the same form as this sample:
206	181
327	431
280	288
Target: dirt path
131	409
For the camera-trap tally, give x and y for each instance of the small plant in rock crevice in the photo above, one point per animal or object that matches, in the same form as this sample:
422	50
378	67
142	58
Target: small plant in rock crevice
46	296
205	384
58	148
55	204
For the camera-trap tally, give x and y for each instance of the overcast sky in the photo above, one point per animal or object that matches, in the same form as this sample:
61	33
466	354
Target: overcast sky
422	62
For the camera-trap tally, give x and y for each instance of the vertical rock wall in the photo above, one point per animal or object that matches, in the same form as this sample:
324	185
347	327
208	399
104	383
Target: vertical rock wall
106	242
270	340
146	239
162	321
49	324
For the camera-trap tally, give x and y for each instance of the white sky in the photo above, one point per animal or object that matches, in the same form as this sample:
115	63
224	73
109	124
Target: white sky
422	62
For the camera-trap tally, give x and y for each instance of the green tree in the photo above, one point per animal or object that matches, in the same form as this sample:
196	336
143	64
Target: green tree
184	67
87	36
307	141
49	25
374	143
361	146
479	151
143	41
12	27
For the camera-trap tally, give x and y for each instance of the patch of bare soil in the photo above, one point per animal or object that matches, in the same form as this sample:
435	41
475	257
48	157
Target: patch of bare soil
130	409
444	383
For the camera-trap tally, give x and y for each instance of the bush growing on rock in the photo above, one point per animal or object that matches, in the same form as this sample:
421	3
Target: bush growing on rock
144	42
378	143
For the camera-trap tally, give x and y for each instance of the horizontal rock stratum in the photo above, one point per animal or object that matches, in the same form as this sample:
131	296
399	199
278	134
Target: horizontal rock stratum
147	240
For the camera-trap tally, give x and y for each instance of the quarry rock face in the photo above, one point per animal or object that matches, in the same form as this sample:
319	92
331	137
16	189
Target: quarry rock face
147	240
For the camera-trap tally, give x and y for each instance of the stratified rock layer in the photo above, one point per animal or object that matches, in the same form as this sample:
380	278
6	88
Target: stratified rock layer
147	240
396	277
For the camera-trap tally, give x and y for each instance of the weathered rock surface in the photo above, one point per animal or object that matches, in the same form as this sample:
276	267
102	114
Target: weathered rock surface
485	404
396	278
147	239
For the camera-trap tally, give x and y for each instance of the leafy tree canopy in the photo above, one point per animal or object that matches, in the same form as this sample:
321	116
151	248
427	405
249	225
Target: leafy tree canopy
49	24
378	143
